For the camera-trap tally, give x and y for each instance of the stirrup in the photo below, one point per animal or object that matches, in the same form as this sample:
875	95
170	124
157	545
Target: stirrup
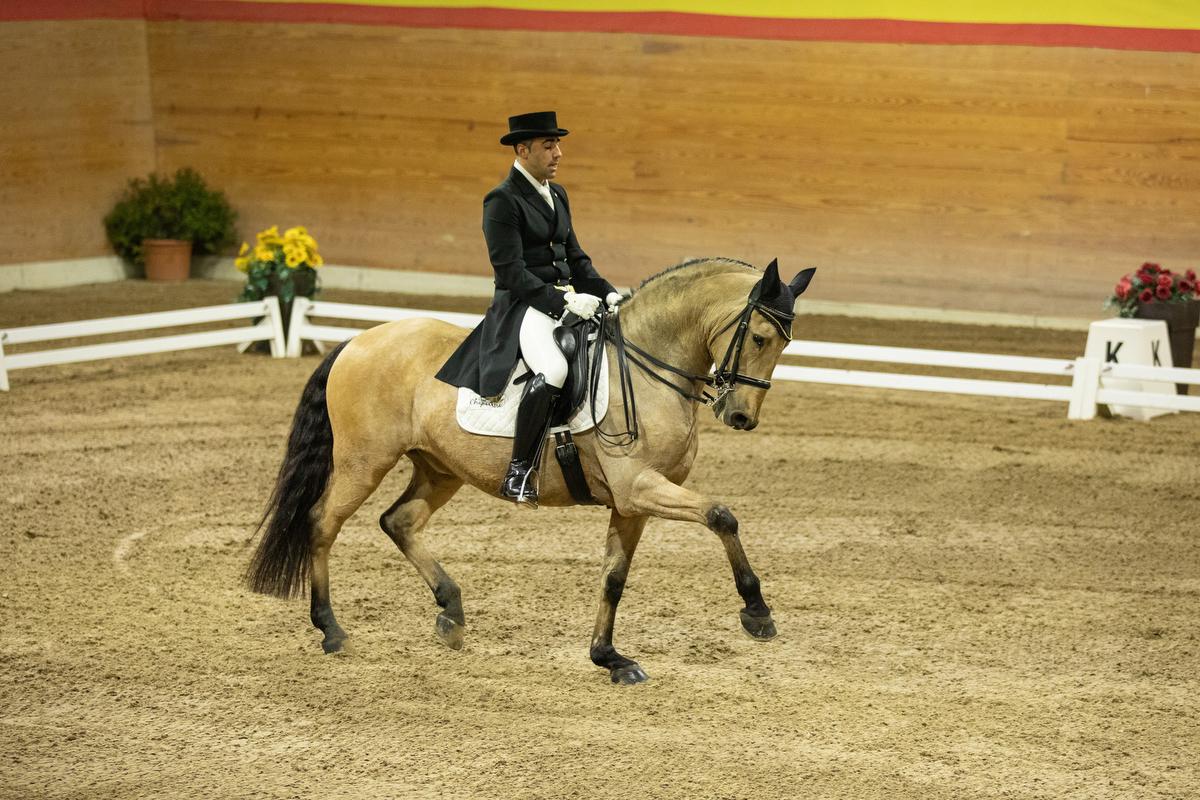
526	492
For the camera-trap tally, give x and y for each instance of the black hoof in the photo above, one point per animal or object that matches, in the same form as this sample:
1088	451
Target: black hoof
449	632
336	644
629	675
760	628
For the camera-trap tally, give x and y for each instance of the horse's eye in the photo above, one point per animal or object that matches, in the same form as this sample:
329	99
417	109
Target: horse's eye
758	340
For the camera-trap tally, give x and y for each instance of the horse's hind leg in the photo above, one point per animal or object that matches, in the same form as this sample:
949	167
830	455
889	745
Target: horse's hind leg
351	482
624	533
427	491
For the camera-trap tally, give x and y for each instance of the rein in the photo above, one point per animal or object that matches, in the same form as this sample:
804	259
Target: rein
723	379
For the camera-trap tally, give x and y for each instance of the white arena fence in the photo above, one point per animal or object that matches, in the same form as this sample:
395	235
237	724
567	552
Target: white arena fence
300	328
269	328
1082	395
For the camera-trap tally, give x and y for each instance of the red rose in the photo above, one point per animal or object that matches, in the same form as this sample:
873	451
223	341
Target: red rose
1150	267
1163	292
1146	296
1164	279
1186	287
1190	275
1122	291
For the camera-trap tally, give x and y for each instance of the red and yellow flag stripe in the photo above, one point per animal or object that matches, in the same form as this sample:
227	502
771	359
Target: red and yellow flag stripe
1170	25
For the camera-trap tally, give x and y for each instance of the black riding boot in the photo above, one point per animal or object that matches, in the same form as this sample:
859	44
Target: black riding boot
533	417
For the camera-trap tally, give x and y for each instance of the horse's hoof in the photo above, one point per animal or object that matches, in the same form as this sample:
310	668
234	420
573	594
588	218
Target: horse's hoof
449	631
629	675
759	628
335	645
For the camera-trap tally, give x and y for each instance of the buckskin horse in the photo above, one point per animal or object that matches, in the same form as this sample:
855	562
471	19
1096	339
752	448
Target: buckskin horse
375	399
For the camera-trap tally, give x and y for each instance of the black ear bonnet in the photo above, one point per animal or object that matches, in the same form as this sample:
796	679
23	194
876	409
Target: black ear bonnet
775	299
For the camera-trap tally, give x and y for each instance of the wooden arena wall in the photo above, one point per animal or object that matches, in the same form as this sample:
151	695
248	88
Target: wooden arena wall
75	124
993	176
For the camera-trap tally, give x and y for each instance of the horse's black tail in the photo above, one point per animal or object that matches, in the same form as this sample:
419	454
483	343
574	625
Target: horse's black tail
282	561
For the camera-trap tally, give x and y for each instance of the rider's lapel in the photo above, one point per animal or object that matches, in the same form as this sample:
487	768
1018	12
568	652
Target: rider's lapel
531	196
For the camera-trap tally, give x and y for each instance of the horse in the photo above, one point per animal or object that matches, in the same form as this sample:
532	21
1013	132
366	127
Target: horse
374	399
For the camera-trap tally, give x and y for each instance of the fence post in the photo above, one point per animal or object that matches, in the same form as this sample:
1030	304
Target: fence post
278	346
295	343
3	371
1085	383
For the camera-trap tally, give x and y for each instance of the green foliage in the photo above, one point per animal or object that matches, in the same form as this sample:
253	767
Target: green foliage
178	207
273	277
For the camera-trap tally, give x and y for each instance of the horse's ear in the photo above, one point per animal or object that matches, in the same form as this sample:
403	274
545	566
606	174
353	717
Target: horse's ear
770	284
800	282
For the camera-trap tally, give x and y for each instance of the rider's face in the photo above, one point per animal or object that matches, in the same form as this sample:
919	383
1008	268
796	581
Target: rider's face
540	158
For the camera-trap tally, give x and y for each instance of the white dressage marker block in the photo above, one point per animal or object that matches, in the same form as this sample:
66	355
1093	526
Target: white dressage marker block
1132	341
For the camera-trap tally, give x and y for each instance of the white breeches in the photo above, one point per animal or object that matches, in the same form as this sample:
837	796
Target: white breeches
538	349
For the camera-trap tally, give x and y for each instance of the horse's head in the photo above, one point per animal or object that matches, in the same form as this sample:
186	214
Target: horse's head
746	349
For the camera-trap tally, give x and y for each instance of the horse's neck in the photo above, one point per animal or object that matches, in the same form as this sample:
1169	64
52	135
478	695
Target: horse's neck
674	329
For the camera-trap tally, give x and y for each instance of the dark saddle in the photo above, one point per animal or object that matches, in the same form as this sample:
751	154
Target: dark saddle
572	340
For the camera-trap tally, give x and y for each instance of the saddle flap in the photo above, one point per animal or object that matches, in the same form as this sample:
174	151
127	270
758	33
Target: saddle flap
572	342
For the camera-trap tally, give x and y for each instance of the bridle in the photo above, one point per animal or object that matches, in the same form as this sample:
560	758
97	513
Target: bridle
726	377
722	379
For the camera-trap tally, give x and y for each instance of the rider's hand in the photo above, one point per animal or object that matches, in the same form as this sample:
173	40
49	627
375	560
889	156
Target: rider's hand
612	300
582	305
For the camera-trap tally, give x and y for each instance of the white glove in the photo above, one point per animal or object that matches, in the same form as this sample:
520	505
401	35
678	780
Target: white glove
582	305
612	300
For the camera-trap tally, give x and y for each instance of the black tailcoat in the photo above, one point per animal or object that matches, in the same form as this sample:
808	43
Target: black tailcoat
532	249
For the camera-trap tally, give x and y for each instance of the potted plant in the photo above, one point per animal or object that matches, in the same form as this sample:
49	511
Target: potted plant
284	266
1156	293
158	222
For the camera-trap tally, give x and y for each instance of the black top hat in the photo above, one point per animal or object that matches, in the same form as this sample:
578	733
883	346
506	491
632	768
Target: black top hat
538	125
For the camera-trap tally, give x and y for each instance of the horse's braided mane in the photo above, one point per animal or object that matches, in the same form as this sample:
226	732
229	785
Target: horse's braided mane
720	262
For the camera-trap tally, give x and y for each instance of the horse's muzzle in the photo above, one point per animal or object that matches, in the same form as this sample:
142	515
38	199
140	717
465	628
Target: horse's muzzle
741	421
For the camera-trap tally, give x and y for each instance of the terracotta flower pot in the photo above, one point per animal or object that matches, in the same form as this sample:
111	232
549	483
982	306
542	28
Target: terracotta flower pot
1182	320
168	260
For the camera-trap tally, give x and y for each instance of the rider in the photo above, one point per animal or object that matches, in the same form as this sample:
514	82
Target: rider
541	274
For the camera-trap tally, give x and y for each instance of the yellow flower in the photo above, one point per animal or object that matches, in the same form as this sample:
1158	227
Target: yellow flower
296	244
270	236
299	237
243	264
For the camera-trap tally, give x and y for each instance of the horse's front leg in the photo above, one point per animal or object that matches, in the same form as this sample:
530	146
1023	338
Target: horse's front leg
624	533
652	493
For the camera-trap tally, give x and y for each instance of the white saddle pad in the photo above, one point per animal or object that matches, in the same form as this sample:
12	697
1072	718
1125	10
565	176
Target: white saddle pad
499	417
